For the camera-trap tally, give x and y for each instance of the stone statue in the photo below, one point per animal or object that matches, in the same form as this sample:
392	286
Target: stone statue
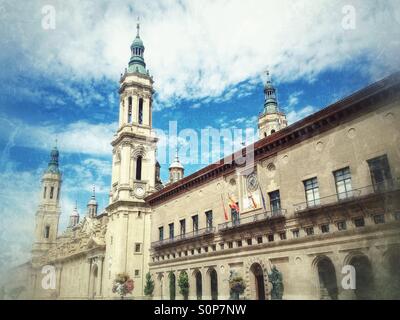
276	279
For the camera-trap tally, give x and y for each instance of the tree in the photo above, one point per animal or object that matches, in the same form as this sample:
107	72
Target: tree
149	286
183	283
237	285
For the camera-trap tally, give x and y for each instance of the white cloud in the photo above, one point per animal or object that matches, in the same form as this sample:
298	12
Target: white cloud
296	115
293	99
199	49
78	137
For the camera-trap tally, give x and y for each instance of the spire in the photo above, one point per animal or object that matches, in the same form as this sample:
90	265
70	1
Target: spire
270	103
136	63
92	204
53	163
74	217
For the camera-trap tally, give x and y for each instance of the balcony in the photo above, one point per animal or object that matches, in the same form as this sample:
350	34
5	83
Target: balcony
349	196
251	220
200	233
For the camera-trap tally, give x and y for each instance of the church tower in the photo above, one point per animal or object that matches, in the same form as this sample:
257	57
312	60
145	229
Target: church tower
133	174
74	217
92	205
48	212
176	170
271	119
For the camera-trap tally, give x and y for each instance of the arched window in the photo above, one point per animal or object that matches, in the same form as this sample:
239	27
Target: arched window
265	134
129	109
140	111
47	232
139	168
51	192
44	192
273	131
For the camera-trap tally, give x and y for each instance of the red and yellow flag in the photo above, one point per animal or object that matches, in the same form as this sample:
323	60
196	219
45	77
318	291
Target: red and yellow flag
233	204
225	212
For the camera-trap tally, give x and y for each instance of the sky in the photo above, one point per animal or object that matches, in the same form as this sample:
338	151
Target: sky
61	62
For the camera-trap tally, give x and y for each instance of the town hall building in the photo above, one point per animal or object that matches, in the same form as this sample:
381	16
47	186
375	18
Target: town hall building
321	194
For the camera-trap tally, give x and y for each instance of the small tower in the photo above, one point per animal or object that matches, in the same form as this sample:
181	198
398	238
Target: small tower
92	205
48	213
271	119
74	217
176	170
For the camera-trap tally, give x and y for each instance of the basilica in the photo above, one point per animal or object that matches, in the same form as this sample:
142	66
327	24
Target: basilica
319	204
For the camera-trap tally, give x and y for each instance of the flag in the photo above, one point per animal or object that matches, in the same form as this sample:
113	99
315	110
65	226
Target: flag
233	204
263	200
223	206
253	201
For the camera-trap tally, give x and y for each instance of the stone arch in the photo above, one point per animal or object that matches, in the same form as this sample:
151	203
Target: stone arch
257	282
198	283
250	292
160	286
138	151
172	285
364	275
391	274
211	291
93	284
326	276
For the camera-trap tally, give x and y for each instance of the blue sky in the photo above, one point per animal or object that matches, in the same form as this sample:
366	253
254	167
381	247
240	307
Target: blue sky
208	64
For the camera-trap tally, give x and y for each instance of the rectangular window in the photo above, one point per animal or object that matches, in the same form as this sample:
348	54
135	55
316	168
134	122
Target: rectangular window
171	230
249	242
140	111
296	233
205	249
137	247
44	192
343	183
259	240
359	222
47	232
182	224
186	253
198	250
192	252
137	272
282	235
161	233
239	243
51	192
397	216
379	218
312	192
310	231
380	173
209	219
221	246
214	247
341	225
270	237
325	228
230	244
275	202
195	222
58	193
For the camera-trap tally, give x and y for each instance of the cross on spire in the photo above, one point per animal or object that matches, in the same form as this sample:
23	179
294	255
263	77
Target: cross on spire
138	26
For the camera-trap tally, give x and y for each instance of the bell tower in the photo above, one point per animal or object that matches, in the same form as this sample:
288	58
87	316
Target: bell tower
133	173
48	212
271	119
